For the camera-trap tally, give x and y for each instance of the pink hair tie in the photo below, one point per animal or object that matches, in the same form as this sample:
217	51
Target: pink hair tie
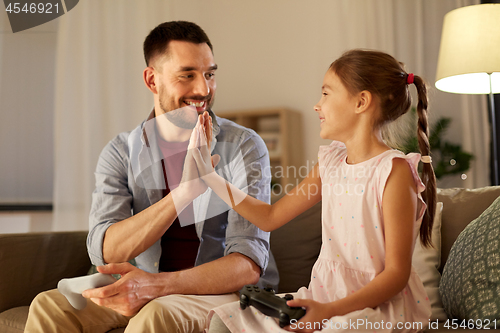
409	78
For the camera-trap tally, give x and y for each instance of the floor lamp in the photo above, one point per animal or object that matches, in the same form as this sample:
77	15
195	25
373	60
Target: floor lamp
469	58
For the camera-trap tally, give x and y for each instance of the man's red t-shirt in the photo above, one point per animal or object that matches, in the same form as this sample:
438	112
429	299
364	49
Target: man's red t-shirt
179	244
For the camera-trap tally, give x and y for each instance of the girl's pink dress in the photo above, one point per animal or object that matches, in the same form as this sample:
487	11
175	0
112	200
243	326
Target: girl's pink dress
353	250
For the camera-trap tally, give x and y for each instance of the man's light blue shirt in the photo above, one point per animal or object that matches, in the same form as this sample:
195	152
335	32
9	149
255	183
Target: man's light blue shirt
129	179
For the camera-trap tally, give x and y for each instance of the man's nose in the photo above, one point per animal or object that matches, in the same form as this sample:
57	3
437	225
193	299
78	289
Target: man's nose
201	86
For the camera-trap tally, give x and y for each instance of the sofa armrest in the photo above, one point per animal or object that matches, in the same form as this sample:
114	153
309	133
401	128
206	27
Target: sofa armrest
34	262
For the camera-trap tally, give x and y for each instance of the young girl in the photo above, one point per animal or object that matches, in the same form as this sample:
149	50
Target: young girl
374	205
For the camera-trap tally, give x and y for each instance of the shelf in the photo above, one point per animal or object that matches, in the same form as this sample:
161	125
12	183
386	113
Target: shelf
11	207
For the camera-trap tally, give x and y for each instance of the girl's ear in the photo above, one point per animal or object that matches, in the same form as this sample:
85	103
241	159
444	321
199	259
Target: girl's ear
364	101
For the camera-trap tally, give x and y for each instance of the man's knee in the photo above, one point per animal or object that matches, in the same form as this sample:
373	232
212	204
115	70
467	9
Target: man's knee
50	311
43	311
46	299
167	314
154	316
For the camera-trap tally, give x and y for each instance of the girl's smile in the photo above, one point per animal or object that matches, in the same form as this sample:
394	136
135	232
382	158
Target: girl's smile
335	108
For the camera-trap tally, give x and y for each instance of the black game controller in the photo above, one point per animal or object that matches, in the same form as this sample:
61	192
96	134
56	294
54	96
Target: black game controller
269	304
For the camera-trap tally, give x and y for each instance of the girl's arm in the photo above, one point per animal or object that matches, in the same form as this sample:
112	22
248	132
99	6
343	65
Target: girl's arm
266	217
399	206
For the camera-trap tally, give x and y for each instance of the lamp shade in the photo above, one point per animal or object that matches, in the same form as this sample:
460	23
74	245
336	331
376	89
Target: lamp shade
470	50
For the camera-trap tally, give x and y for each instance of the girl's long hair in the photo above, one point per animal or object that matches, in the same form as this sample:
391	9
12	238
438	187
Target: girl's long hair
385	77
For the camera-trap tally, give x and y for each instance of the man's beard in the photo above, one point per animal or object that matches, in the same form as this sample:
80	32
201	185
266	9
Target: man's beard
185	116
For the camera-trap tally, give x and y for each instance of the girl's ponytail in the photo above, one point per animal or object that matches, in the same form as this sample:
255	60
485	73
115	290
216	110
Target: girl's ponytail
384	76
428	177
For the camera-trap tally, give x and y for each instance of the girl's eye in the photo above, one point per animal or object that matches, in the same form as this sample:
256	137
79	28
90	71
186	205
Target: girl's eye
324	94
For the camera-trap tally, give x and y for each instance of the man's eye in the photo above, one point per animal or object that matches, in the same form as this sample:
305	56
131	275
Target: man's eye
210	75
187	76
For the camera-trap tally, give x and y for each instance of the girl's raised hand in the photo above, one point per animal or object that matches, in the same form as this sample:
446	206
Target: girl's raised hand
191	185
204	162
205	129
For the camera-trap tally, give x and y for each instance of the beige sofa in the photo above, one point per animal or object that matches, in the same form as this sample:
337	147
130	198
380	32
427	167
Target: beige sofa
34	262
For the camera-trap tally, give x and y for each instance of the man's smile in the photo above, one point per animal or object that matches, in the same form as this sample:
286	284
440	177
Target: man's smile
199	105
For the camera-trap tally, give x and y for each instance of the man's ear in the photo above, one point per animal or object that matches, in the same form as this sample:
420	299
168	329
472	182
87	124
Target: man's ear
364	101
149	79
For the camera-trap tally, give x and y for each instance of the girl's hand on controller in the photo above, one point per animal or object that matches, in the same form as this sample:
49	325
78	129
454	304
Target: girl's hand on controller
315	314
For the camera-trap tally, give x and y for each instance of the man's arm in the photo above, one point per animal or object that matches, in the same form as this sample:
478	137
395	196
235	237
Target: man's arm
242	265
137	287
126	236
115	235
124	240
250	171
221	276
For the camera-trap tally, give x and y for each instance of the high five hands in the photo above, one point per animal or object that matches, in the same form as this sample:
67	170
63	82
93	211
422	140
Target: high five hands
200	142
199	157
198	162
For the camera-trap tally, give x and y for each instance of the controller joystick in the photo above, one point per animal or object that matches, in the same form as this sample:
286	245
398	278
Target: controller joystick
269	304
269	289
73	288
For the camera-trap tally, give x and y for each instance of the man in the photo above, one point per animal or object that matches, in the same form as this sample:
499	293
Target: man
136	209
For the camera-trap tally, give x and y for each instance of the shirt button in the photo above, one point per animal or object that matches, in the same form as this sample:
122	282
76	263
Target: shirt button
156	264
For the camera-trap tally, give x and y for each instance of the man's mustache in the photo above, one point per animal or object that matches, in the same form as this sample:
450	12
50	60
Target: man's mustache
200	98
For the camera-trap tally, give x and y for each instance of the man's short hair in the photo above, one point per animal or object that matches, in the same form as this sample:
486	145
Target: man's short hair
157	40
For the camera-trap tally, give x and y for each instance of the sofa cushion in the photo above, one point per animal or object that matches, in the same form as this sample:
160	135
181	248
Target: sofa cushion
460	207
471	277
14	320
296	247
35	262
426	261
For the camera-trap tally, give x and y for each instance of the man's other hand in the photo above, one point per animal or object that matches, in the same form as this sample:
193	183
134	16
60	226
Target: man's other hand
130	293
